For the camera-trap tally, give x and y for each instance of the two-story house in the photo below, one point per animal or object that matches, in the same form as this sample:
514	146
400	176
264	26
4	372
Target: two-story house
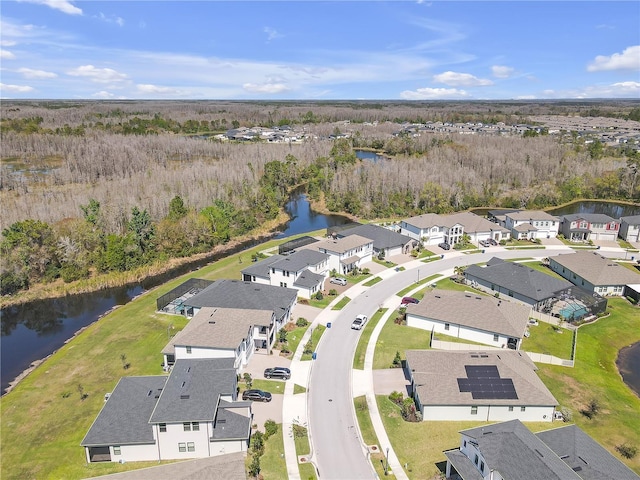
509	450
583	227
531	224
386	242
345	254
304	270
630	228
192	413
223	333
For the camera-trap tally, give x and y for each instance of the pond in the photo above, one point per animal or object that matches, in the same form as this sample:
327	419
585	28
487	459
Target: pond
628	363
369	155
33	331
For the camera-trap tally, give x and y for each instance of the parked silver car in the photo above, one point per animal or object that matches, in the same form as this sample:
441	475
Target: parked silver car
338	281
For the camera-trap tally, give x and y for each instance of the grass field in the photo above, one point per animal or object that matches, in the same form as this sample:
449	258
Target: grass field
315	338
546	339
341	303
272	462
361	348
397	338
369	436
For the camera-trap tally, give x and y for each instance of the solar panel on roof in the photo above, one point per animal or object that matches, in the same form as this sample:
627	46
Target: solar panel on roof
484	383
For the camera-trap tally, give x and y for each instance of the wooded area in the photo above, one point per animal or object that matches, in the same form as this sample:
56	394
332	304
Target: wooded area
91	187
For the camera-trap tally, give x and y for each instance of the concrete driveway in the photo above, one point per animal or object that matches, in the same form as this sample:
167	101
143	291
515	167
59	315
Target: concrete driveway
263	411
390	380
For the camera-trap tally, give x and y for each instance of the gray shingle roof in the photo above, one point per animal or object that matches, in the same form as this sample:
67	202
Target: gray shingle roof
519	279
300	260
193	390
124	418
382	237
473	310
263	267
596	269
471	222
589	217
465	467
309	279
221	328
631	219
436	373
246	295
577	449
232	423
223	467
343	245
528	215
512	450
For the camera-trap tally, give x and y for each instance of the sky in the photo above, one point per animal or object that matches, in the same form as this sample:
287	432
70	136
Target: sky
319	50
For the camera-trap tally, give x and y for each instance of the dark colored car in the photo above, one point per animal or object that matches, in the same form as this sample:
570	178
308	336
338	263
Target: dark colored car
444	246
256	395
278	372
492	242
408	300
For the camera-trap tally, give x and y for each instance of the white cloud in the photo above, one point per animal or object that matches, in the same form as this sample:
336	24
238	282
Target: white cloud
111	19
63	5
265	87
433	93
6	54
272	33
149	89
98	75
455	79
526	97
31	73
15	88
501	71
629	59
7	43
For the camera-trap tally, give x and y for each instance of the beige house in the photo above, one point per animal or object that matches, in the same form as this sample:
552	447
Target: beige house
347	253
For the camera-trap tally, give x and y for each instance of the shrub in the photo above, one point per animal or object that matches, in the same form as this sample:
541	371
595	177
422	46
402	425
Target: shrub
308	347
282	335
270	428
247	379
319	296
627	451
333	292
257	443
396	397
366	271
302	322
593	408
408	410
397	361
254	467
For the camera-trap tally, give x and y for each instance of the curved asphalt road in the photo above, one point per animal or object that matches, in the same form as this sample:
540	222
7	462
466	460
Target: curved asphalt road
337	449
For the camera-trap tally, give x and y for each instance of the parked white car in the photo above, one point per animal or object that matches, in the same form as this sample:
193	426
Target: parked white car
359	322
338	281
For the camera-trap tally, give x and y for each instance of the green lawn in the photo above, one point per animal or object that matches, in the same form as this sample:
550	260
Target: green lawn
449	338
541	267
545	339
315	338
272	461
273	386
397	338
595	376
384	263
424	281
293	338
361	348
369	436
372	282
298	389
341	303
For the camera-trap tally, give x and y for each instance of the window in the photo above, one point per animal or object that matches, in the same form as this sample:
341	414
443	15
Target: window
195	426
117	451
511	408
188	349
522	409
476	459
446	326
495	337
481	466
163	427
186	426
182	447
474	411
191	447
464	443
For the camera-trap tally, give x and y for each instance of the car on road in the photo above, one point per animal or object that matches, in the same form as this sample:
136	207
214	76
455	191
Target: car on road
278	372
256	395
407	300
444	246
359	322
338	281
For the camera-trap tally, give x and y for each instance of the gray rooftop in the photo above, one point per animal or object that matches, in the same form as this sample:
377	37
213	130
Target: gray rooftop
263	267
343	245
193	390
473	310
519	279
245	295
223	467
232	422
309	279
596	269
223	328
515	453
382	237
589	217
124	418
465	467
631	219
471	222
577	449
528	215
436	373
300	260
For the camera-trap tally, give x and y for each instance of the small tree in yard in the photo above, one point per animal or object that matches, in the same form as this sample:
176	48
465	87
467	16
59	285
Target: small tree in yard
593	408
270	428
302	322
396	397
627	451
282	335
397	361
319	296
308	347
247	379
254	467
257	443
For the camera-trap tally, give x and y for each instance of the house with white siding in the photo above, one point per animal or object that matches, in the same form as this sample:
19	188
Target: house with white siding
584	227
223	333
304	270
592	272
346	253
478	385
509	450
630	228
386	242
432	229
470	316
192	413
531	224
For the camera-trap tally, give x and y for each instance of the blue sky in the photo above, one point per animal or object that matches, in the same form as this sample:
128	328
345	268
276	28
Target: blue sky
312	50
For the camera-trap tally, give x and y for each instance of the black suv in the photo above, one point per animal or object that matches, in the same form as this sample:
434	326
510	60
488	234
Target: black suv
278	372
444	246
256	395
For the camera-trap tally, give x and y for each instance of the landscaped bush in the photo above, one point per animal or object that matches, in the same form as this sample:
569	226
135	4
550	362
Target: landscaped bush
302	322
397	361
396	397
270	428
319	296
627	451
333	292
